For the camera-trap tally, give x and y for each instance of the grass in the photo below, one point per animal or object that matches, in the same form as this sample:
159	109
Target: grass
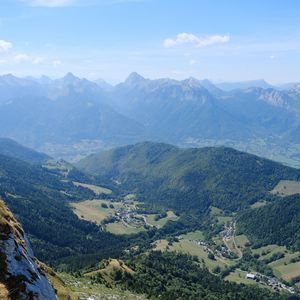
214	211
258	204
224	219
287	272
239	276
161	222
217	240
161	245
195	235
120	228
84	289
287	188
91	210
130	197
231	246
62	291
190	247
108	271
241	241
282	268
267	251
98	190
220	215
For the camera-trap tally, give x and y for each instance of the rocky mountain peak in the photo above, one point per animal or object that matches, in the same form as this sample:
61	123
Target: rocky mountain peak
20	276
134	78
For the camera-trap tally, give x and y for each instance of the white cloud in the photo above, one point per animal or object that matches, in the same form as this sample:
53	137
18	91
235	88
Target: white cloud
50	3
189	38
37	60
21	58
56	63
193	62
5	46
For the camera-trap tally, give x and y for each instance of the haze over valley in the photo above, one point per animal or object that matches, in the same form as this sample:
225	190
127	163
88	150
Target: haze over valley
70	117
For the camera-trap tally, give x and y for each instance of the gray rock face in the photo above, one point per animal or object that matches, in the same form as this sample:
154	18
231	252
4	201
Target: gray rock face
19	271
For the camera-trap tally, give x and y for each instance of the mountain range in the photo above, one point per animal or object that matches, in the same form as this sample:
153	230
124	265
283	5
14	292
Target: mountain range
70	116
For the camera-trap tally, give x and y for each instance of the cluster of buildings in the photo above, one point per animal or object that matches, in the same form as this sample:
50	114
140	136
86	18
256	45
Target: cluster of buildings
128	216
270	281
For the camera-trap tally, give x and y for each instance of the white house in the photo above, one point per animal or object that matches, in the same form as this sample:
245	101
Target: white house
251	276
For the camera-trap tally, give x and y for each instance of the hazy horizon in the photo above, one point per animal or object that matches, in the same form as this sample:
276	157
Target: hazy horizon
29	76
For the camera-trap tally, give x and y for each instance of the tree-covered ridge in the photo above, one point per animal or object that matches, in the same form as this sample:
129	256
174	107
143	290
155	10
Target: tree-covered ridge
177	276
11	148
276	223
39	199
189	179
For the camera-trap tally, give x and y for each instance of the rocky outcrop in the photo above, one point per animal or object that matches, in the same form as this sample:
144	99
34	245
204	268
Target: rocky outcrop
20	276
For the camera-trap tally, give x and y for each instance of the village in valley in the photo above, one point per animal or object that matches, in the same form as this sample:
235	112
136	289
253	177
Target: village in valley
221	254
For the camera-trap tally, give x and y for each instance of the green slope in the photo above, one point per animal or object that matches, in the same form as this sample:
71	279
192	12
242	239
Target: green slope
11	148
39	199
189	179
275	223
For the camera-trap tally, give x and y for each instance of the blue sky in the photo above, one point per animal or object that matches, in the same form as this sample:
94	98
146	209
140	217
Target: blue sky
216	39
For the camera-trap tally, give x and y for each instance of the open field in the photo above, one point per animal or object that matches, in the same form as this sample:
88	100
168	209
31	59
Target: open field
287	272
192	248
239	276
214	211
98	190
217	240
91	210
286	188
230	244
224	219
219	214
195	235
120	228
259	204
130	197
83	288
282	268
241	241
125	218
267	251
161	222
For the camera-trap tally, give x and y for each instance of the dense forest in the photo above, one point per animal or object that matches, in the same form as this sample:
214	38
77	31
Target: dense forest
35	196
188	179
166	276
279	223
11	148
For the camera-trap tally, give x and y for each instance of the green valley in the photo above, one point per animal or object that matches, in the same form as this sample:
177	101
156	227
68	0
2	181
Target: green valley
191	206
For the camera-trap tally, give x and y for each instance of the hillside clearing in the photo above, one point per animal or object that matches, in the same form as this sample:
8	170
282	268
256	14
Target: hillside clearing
98	190
286	188
161	222
92	210
121	228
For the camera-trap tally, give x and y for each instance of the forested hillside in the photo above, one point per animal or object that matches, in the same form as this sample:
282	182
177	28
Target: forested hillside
188	179
39	199
11	148
279	223
165	275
